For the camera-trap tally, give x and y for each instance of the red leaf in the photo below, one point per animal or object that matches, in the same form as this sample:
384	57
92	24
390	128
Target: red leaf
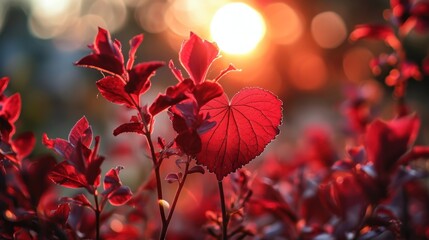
196	56
103	63
24	144
79	199
111	179
230	68
22	234
377	32
65	174
136	127
61	146
207	91
12	107
120	196
244	127
106	55
419	17
176	72
93	169
134	44
343	195
196	169
4	81
79	157
35	175
113	189
113	89
386	142
418	152
61	214
172	177
189	142
178	120
81	131
140	75
172	96
103	44
6	129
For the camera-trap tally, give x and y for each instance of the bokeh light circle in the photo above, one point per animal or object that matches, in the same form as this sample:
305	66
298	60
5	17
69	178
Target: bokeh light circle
283	23
328	29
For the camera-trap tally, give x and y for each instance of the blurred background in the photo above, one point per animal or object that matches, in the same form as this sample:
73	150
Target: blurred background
299	50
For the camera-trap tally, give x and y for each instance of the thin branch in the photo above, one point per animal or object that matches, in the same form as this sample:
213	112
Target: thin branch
175	200
225	216
97	217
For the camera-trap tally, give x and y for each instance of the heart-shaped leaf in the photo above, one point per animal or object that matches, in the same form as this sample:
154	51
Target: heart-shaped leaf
244	126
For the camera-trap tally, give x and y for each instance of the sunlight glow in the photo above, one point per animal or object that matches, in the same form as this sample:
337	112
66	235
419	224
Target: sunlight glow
237	28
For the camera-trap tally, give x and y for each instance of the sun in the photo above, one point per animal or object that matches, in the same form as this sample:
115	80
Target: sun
237	28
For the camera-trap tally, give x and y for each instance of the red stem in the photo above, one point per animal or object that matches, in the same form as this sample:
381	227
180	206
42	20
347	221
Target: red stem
157	166
97	217
175	200
225	216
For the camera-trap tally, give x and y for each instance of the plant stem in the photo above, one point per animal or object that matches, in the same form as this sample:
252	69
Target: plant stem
97	217
156	165
225	216
175	200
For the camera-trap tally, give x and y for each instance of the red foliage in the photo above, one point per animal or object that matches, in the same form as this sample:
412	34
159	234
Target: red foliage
243	128
373	192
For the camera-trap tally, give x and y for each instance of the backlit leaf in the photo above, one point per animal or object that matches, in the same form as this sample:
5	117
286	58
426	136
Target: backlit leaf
103	63
61	214
207	91
196	169
23	144
196	56
61	146
134	44
106	54
176	72
136	127
140	75
65	174
172	96
12	107
113	89
79	199
81	131
172	177
120	196
4	81
113	189
111	179
244	126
